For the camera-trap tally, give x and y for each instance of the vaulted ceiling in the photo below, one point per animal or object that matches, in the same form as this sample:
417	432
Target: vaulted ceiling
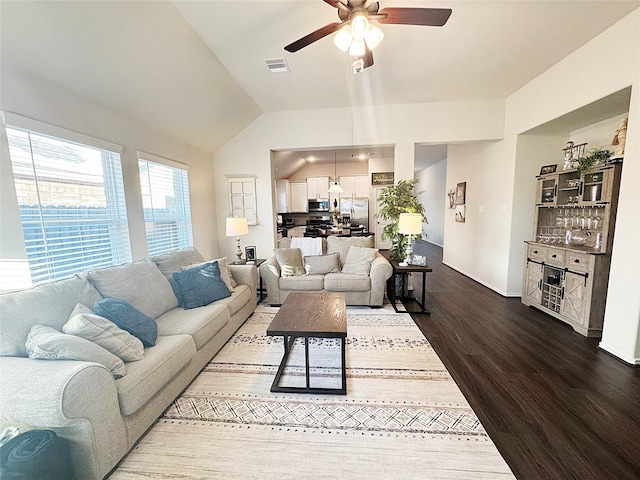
195	69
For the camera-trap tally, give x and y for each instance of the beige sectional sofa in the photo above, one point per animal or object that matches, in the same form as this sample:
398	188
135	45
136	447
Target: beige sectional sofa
103	416
361	287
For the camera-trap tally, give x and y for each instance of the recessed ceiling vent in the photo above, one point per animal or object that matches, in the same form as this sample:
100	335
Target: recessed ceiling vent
277	65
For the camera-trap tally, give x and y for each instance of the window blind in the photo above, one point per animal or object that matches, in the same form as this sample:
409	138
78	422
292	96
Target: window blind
165	199
71	201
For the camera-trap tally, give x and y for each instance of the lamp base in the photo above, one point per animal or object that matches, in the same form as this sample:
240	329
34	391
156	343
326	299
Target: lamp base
238	252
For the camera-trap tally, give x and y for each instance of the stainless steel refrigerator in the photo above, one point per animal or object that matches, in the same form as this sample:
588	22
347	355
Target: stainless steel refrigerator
357	209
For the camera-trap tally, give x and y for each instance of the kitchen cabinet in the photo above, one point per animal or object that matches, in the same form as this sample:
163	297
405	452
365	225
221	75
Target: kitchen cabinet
283	196
355	186
299	199
317	188
566	270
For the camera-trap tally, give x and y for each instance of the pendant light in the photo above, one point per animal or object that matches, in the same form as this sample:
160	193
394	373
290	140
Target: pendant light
335	188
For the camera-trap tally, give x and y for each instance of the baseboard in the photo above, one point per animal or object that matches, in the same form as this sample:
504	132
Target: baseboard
624	358
489	286
434	243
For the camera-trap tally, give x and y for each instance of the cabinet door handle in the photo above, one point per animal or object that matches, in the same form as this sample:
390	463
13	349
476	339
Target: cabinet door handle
553	256
580	189
555	190
562	293
576	260
540	284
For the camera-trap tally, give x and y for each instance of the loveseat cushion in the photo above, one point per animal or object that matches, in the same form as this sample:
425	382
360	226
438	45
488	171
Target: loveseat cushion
201	323
140	284
322	264
340	245
47	304
358	261
345	282
144	379
302	283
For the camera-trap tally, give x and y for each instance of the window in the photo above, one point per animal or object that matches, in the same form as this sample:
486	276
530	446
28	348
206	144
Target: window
71	200
165	198
242	197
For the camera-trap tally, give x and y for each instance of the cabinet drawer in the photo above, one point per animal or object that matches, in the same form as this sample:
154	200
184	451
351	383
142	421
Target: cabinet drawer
579	262
555	257
537	253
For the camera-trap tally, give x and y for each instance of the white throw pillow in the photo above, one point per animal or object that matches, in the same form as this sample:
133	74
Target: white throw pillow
101	331
358	261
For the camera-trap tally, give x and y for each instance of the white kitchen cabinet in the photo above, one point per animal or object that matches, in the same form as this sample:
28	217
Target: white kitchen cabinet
299	198
317	187
355	186
283	196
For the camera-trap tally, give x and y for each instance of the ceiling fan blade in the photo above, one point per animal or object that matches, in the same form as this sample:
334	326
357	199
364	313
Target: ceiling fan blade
312	37
368	57
431	17
333	3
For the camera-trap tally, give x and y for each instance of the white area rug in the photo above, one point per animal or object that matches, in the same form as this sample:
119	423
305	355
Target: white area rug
403	417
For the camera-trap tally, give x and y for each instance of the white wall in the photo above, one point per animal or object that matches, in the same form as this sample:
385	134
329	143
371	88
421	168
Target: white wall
432	184
607	64
399	125
34	98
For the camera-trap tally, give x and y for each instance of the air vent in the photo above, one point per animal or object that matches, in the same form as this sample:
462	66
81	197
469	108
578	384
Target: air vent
277	65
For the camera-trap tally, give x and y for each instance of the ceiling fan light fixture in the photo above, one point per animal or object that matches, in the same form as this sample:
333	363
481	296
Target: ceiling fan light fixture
357	48
374	37
342	39
359	25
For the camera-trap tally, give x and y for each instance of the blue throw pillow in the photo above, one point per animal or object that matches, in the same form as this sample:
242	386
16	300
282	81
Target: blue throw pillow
128	318
199	286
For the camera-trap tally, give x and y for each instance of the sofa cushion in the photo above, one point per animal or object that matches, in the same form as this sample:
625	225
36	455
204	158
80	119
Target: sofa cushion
290	261
128	318
201	285
225	274
240	296
144	379
201	323
358	261
322	264
302	283
101	331
125	282
19	311
344	282
340	245
46	343
172	262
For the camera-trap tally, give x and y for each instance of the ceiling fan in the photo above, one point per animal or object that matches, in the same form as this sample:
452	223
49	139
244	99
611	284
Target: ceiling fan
356	32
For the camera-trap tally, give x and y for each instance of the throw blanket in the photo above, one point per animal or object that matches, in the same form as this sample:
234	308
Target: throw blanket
308	245
36	455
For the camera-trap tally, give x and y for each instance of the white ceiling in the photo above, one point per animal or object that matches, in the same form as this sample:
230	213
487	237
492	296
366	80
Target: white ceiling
195	69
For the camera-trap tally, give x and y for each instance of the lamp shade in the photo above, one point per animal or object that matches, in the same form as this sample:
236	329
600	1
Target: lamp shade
237	226
410	223
335	188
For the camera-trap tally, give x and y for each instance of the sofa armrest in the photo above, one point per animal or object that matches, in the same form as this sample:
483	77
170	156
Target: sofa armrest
247	275
270	273
76	399
379	273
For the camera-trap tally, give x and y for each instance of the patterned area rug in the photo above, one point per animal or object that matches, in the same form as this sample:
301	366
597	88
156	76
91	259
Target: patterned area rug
403	415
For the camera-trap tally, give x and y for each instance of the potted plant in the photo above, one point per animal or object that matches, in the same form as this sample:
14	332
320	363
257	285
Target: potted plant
597	156
394	200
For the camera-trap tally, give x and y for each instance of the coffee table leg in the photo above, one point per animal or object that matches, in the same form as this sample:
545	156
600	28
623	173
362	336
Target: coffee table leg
306	361
344	365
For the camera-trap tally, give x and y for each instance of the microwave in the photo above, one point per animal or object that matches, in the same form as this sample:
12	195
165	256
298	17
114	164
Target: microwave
321	205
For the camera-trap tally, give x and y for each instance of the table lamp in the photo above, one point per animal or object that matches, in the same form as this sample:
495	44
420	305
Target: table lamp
409	224
237	226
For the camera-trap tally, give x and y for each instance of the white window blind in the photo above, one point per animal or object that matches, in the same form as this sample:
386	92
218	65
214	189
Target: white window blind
165	198
71	201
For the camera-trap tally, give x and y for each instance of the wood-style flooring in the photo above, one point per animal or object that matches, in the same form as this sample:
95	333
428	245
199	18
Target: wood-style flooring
555	405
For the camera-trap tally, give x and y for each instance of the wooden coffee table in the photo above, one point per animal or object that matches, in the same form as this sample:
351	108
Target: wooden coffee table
310	314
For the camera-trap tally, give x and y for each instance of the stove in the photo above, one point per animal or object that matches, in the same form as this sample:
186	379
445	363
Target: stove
319	221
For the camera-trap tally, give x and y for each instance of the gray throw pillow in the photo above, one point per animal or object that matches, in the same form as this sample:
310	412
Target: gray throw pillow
46	343
340	245
200	286
101	331
128	318
322	264
358	261
290	261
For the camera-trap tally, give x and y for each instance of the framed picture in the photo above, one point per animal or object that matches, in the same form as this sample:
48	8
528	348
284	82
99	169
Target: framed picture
419	260
461	213
382	178
461	193
548	169
250	254
451	193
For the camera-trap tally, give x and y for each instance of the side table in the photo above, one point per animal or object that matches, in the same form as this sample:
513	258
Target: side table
404	271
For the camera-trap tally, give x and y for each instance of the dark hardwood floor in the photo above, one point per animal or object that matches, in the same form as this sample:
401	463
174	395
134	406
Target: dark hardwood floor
555	405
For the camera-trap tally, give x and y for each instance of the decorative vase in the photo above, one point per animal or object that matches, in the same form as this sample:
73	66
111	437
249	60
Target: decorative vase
620	138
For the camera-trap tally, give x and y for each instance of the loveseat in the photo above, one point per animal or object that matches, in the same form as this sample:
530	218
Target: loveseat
347	264
103	409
